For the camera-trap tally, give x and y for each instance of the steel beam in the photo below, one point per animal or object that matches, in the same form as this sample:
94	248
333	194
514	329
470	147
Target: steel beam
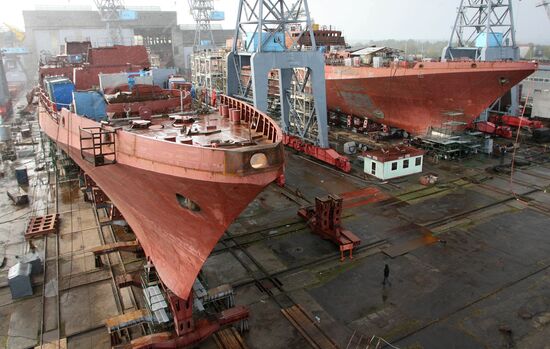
263	43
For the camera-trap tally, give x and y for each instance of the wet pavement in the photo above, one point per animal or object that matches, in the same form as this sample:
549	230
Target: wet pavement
476	280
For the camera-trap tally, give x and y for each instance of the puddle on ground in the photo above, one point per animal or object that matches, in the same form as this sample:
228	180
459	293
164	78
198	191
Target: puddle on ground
70	192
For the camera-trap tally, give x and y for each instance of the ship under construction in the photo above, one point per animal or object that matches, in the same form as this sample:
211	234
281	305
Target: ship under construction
269	186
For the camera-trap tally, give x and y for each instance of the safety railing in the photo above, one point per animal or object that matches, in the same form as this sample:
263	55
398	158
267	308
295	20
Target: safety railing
255	119
50	106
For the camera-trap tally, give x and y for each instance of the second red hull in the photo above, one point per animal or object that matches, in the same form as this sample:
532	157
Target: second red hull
415	99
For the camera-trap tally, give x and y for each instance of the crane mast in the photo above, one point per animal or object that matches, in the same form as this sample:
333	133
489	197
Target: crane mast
109	12
201	11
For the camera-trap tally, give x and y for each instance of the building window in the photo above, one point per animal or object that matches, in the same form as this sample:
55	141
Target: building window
406	163
418	161
373	168
394	166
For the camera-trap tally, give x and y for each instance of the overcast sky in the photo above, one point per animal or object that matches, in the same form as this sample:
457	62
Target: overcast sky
360	20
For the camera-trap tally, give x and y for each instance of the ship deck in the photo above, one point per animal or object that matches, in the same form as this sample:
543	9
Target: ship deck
208	130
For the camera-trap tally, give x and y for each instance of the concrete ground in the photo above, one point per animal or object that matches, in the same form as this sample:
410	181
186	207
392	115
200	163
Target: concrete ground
468	258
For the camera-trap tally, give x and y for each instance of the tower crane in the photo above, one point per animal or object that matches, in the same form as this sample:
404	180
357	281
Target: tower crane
109	12
546	5
201	10
484	30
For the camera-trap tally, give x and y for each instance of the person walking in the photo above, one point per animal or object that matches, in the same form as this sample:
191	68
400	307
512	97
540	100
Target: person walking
386	275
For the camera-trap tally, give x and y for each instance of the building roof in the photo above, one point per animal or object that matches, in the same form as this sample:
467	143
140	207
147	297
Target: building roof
373	49
48	19
394	153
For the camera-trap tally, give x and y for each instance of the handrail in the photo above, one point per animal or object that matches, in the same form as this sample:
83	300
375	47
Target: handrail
51	106
255	119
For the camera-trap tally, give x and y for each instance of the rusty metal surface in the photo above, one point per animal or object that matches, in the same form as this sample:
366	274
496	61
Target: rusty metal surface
325	220
171	153
119	55
42	225
415	98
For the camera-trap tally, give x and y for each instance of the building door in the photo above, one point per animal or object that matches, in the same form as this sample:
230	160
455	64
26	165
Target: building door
373	168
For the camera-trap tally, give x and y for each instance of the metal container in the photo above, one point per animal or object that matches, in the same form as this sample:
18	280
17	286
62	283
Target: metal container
5	133
22	176
19	280
235	116
224	111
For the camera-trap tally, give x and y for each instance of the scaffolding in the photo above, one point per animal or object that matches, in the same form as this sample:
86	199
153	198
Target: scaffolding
208	70
302	101
450	141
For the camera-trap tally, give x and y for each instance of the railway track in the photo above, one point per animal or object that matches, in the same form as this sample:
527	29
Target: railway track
46	271
314	334
107	236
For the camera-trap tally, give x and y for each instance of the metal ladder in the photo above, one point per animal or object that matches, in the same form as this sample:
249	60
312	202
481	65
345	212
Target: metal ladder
98	146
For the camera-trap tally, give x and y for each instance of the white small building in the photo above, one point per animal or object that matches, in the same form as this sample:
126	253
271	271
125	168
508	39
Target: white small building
395	162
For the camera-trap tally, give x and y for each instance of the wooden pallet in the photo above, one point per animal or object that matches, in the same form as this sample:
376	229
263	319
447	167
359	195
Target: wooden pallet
42	225
128	246
308	328
229	338
125	320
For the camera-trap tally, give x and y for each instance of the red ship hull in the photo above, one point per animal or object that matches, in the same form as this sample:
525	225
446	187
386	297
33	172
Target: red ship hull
149	173
416	98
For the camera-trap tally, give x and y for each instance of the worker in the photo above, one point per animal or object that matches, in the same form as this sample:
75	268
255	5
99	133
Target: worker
386	275
213	98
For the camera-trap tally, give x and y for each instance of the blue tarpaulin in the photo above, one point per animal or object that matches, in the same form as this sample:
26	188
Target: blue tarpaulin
90	104
60	90
63	94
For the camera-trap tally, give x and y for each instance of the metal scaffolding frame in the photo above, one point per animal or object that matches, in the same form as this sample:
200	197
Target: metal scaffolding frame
109	12
483	17
208	70
448	141
201	11
263	42
487	20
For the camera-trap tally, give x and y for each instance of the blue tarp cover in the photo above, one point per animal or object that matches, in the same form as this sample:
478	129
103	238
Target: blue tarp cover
90	104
